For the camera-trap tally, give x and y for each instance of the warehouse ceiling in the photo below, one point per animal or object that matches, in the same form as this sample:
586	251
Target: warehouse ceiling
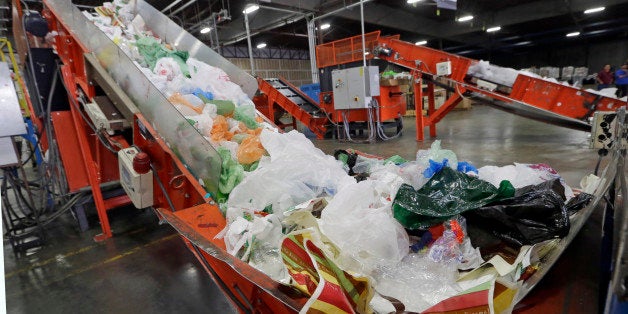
525	24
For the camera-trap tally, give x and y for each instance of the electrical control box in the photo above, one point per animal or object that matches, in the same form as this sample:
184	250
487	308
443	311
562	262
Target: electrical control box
354	88
443	68
139	187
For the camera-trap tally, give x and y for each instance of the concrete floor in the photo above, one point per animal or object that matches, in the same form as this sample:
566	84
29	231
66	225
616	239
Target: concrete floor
145	268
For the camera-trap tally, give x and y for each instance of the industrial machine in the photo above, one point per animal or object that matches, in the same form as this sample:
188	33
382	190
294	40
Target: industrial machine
120	128
528	96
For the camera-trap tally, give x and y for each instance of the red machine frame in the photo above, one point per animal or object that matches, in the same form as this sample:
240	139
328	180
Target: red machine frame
87	162
182	201
422	62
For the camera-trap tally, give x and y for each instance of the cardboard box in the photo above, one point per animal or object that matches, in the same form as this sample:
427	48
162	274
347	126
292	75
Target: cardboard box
388	82
464	104
404	81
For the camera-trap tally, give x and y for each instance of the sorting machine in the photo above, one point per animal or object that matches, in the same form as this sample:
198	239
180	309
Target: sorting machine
119	128
528	96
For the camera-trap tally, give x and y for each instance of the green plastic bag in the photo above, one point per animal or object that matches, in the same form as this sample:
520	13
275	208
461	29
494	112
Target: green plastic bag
231	174
397	160
152	51
223	107
246	115
445	195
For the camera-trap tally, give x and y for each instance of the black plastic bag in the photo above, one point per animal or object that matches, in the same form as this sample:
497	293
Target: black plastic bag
445	195
579	202
536	213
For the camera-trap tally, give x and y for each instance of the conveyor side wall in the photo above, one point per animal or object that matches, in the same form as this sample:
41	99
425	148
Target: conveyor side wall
193	149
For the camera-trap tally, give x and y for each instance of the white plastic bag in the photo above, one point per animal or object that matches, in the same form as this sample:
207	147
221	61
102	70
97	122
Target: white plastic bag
258	242
417	282
203	123
167	67
359	221
436	153
216	81
295	172
521	175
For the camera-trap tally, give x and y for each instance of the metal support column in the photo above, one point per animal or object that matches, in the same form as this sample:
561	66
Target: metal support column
311	38
248	41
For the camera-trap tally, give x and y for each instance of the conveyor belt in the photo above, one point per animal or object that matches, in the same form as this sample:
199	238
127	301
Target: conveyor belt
296	103
296	96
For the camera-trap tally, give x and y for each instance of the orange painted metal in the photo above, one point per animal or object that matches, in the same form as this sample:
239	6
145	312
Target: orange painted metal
88	160
70	51
316	124
392	102
345	50
196	217
564	100
183	189
84	157
248	289
71	155
423	58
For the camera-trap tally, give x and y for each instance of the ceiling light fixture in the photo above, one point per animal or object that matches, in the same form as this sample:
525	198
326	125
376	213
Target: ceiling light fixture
594	10
413	1
261	45
523	43
465	18
493	29
206	30
250	8
574	34
421	42
325	26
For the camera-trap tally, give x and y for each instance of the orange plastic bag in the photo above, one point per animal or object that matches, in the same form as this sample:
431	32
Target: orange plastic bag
178	99
250	151
220	130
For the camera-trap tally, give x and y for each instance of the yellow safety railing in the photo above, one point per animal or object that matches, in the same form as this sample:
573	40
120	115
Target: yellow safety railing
6	48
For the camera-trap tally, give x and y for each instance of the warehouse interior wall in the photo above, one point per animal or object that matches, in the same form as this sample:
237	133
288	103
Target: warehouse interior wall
296	72
591	55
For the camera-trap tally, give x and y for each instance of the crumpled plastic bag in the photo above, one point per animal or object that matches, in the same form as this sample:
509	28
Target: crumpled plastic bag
231	174
202	122
250	150
418	282
437	154
186	104
216	81
246	114
358	220
468	168
331	289
578	202
446	194
412	174
521	175
203	95
220	130
223	107
167	67
453	245
211	110
152	50
294	172
256	240
535	214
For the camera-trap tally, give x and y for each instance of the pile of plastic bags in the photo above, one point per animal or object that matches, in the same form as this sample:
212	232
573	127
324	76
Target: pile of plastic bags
203	94
376	231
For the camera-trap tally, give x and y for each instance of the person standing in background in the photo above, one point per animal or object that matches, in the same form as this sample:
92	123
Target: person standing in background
605	78
621	81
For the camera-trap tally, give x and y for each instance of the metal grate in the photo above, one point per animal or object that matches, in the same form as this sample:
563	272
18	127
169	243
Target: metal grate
345	50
